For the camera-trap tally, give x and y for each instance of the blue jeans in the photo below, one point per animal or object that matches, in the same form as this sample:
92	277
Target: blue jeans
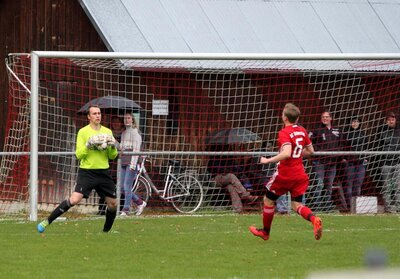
355	174
127	177
325	174
391	187
282	204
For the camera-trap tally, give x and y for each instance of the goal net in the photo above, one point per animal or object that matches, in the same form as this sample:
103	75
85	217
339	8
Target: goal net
196	110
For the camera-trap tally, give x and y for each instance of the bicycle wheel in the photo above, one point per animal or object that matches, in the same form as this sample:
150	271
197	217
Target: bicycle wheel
185	193
142	189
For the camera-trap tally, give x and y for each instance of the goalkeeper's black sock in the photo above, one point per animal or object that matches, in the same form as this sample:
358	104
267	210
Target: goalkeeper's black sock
63	207
110	217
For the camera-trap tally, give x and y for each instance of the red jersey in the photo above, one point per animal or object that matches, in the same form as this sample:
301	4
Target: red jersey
297	137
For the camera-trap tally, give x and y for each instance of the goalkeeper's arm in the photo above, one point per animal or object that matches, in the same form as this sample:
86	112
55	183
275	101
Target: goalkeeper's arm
112	147
81	150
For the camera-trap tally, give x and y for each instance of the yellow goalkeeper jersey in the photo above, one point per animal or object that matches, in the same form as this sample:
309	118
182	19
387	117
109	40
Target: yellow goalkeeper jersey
91	158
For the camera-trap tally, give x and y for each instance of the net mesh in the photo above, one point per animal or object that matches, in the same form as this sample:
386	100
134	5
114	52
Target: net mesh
188	110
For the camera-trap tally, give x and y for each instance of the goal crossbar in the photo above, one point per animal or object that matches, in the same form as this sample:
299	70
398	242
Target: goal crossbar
37	55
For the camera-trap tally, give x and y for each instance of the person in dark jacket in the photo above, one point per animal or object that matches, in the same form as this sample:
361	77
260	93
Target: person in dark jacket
389	141
325	137
221	169
356	140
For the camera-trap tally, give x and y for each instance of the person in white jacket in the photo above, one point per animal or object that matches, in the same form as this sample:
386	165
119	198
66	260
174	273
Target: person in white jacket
131	140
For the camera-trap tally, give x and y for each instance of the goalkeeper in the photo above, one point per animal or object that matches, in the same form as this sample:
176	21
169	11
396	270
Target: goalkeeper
95	146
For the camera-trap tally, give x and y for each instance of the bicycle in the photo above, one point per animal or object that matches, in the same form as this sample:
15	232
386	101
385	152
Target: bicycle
181	189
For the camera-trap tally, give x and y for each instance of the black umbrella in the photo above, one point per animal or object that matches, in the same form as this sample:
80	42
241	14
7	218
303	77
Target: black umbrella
231	136
111	104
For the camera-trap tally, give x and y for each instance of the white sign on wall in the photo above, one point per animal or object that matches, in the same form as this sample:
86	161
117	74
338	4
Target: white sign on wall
160	107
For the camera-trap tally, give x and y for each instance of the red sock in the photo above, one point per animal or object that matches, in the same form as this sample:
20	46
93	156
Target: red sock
306	213
268	216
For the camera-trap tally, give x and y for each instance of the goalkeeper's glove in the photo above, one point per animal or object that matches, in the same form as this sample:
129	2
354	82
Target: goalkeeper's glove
111	141
98	142
91	142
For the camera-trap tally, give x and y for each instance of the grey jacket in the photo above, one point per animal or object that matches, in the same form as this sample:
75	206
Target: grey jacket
131	140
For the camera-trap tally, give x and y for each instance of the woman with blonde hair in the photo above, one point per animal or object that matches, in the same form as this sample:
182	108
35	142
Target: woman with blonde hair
131	141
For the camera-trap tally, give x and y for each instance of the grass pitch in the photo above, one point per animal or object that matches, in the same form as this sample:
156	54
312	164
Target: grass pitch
194	247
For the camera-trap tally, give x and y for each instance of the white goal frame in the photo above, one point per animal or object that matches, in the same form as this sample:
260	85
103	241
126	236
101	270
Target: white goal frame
36	55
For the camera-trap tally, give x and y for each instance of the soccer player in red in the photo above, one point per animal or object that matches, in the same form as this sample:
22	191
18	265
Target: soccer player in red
293	143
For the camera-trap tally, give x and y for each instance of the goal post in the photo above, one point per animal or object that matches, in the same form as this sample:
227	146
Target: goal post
34	131
184	102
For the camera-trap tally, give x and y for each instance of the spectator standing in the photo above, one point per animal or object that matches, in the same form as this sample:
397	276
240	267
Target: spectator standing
117	127
293	143
389	141
131	141
325	137
356	140
282	206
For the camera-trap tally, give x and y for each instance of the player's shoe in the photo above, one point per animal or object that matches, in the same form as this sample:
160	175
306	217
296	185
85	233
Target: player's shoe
41	227
317	228
259	232
140	208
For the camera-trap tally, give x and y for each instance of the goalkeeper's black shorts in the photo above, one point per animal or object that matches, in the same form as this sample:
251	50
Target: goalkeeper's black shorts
100	180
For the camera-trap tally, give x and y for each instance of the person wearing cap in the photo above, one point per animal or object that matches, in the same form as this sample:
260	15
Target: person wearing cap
389	141
356	140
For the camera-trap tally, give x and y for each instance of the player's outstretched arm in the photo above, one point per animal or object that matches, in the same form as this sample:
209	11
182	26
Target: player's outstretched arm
308	151
283	154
